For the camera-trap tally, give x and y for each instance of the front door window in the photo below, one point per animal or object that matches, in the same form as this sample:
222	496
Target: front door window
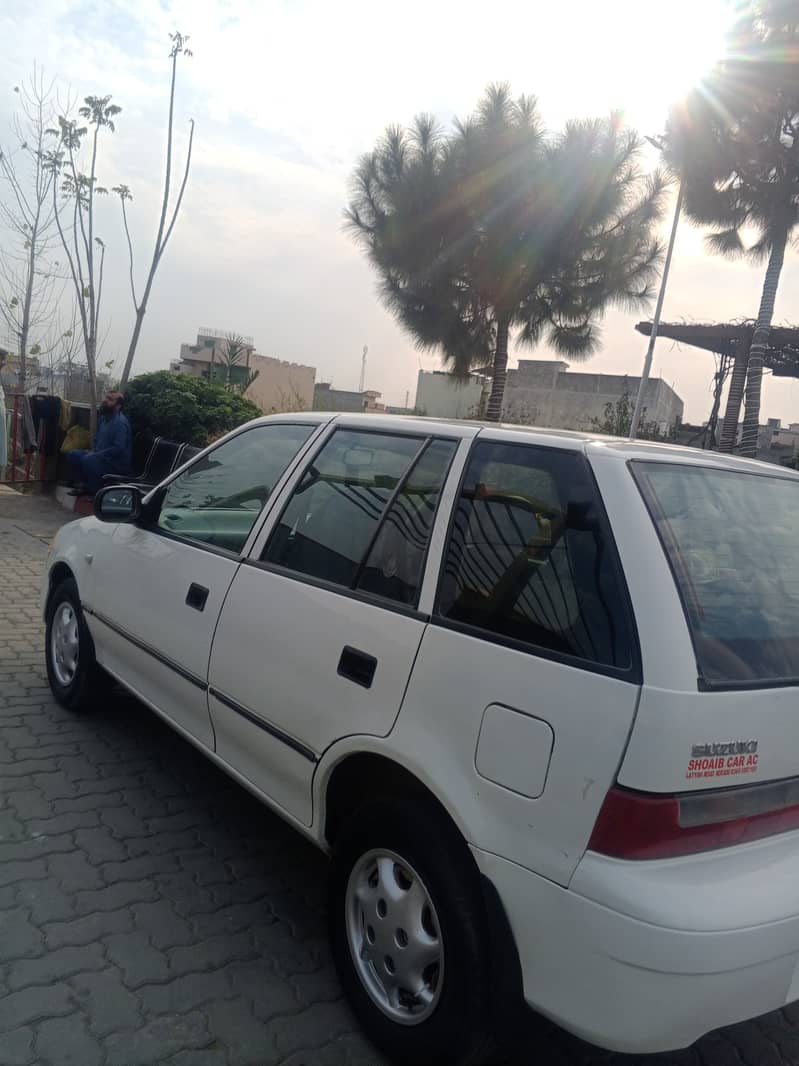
217	500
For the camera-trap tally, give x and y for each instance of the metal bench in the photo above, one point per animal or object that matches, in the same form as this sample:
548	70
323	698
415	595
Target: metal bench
163	457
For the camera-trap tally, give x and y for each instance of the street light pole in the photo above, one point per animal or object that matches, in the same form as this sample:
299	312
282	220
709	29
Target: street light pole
639	400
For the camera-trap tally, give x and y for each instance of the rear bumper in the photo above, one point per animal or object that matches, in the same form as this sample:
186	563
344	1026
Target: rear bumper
636	985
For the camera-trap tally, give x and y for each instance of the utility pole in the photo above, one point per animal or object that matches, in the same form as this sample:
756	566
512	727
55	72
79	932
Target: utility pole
650	351
362	384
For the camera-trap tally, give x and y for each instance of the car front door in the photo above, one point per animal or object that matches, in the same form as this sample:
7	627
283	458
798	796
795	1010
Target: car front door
154	612
320	629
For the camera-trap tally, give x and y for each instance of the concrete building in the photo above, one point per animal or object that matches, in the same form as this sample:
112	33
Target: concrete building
275	385
206	358
281	386
326	398
544	392
441	395
776	443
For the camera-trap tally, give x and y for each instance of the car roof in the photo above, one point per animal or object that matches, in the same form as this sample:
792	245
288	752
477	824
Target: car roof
619	448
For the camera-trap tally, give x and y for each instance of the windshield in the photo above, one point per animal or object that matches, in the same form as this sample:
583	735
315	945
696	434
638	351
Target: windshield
731	539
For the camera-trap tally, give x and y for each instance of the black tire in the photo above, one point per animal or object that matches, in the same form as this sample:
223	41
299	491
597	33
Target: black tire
88	683
457	1032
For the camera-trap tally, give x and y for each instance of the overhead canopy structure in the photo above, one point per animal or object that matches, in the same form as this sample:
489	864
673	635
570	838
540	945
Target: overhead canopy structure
724	338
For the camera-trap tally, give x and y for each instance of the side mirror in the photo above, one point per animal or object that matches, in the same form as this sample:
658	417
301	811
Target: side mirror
118	503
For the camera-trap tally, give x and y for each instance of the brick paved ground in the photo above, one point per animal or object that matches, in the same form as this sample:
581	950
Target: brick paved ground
152	912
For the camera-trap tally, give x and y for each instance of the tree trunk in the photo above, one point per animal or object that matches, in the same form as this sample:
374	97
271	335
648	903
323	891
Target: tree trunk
494	409
92	368
729	428
141	311
29	430
757	352
161	238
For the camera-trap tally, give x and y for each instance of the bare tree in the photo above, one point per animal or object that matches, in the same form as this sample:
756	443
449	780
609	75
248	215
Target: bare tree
75	218
164	231
59	355
30	283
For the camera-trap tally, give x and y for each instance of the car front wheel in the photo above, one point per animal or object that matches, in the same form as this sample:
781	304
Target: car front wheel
72	671
409	934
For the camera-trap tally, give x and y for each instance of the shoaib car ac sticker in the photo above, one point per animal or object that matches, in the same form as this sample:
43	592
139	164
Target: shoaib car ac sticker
728	759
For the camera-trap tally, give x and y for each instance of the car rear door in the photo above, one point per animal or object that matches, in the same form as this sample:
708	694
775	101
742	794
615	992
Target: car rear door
154	609
320	628
527	679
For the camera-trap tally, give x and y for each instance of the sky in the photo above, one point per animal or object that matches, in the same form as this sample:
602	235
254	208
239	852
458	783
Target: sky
286	94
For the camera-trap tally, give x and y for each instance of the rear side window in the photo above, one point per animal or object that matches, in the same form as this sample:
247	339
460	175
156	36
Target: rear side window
394	565
731	539
362	513
529	559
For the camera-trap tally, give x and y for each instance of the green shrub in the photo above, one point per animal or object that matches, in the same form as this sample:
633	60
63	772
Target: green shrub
184	408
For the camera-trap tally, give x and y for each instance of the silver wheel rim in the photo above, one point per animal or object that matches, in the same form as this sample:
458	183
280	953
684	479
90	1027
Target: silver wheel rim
394	937
64	641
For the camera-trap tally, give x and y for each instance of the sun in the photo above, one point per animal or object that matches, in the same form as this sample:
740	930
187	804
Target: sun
683	43
627	55
690	46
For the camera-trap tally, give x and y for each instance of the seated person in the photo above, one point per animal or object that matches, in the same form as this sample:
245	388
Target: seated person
112	452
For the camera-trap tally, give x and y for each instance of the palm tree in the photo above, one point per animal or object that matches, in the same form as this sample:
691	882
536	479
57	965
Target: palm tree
231	354
735	140
498	230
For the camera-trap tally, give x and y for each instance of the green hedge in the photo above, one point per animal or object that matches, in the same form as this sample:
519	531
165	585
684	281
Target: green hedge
184	408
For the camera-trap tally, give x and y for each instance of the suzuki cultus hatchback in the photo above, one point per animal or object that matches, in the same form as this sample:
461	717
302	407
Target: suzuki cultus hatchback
536	693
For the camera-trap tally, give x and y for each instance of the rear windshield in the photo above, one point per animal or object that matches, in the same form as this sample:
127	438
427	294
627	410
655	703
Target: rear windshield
733	543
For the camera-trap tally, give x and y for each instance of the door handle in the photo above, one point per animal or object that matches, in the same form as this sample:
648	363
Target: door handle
196	596
357	666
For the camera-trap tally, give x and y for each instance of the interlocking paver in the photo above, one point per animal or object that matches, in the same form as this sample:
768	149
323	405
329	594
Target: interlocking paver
67	1042
151	911
136	869
114	897
164	927
186	993
109	1005
45	900
157	1039
19	871
138	960
33	1004
207	1057
54	965
19	936
18	1046
88	929
74	872
212	952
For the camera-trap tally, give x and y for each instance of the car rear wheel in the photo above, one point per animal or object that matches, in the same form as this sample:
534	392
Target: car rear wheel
408	930
72	671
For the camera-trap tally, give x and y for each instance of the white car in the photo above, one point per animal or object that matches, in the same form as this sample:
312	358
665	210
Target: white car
536	692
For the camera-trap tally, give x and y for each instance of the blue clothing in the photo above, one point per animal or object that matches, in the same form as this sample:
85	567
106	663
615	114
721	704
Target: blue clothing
85	469
112	454
113	444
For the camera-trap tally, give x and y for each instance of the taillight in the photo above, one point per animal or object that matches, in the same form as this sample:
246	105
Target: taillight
644	825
